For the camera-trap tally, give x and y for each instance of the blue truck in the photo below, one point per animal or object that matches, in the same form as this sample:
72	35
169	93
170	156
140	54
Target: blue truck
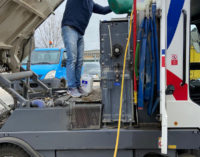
50	66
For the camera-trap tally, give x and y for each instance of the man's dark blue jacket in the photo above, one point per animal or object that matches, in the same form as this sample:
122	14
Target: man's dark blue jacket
78	12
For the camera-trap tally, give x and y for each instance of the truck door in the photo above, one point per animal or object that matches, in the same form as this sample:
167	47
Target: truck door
182	106
63	65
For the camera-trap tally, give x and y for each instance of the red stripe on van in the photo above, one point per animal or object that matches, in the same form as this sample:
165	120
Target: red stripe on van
180	92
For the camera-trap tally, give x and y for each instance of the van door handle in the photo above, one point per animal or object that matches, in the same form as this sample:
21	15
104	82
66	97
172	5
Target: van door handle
184	46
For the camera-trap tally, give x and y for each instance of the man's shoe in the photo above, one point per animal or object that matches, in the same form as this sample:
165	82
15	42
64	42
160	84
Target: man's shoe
74	92
83	93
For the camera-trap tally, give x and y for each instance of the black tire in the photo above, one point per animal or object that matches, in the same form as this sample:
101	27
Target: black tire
63	83
8	150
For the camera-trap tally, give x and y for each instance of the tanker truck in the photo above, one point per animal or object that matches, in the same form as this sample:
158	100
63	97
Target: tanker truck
149	98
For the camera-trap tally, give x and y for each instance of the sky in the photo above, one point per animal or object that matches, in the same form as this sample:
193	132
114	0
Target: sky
92	32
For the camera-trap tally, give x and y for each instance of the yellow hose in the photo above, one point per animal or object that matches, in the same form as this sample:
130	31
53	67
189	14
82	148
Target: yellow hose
122	87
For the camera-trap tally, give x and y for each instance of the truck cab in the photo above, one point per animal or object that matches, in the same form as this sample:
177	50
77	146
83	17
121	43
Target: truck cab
50	65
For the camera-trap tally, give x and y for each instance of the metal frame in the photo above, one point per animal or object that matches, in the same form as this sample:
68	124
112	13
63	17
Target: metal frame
163	112
50	134
104	140
6	84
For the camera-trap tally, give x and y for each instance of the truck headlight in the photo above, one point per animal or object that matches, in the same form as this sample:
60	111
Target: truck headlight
50	74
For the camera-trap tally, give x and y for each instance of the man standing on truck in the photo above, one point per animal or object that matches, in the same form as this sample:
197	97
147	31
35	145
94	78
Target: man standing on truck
75	20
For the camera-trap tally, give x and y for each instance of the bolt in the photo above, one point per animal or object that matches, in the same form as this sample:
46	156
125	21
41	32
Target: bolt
117	50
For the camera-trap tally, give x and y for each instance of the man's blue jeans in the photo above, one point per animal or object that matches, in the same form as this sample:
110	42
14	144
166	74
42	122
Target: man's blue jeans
74	44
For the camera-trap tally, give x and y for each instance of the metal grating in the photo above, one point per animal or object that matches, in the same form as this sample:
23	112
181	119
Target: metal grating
85	116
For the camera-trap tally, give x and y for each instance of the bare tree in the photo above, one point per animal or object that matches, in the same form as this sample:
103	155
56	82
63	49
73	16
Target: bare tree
50	30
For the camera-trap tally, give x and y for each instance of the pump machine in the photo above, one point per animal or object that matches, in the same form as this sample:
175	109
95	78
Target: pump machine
150	83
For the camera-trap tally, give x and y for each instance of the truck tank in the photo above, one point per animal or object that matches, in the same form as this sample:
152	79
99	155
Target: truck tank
125	6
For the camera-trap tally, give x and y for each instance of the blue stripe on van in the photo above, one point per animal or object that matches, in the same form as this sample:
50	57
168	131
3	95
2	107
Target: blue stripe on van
173	17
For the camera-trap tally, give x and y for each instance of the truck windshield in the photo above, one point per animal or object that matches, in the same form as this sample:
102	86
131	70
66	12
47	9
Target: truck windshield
43	57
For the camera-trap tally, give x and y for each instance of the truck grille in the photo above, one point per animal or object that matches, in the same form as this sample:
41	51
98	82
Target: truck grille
85	116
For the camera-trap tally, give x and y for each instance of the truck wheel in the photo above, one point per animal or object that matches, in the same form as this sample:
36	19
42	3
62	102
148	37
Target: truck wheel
63	83
8	150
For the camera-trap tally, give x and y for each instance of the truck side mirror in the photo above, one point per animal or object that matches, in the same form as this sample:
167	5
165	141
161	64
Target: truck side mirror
64	63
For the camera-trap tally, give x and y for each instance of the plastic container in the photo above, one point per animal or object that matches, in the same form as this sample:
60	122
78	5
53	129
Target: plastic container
125	6
87	83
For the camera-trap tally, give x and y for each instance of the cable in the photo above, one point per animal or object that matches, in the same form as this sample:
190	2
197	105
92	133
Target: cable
142	66
154	7
122	86
134	48
152	67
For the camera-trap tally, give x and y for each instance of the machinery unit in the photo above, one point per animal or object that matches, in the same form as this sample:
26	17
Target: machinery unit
113	42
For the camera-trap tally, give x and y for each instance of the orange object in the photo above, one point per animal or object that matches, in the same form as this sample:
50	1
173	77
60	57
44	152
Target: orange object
50	43
176	123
